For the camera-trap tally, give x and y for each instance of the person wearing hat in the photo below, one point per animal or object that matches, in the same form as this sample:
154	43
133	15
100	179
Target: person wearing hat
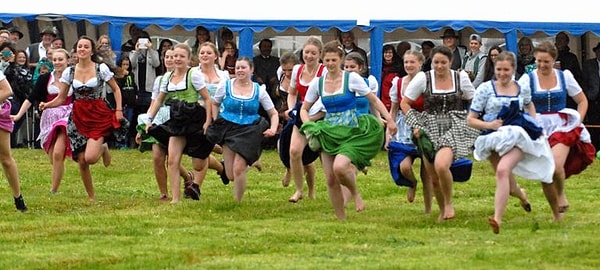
37	51
450	40
591	88
474	61
15	34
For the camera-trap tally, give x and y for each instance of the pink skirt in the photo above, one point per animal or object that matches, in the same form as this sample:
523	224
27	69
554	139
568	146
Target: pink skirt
52	121
6	123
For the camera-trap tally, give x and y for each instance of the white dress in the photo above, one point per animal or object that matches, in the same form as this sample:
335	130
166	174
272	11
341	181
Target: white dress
537	162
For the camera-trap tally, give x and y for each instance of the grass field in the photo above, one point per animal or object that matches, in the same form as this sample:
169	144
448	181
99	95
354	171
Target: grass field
128	228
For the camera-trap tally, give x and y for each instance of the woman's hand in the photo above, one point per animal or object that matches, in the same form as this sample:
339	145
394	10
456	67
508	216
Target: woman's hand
416	133
392	128
494	125
205	127
119	115
269	133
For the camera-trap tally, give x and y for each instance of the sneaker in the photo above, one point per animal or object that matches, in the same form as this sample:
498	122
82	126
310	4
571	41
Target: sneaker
20	204
163	198
193	191
223	175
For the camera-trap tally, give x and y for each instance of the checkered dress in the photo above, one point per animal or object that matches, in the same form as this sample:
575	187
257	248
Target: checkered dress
444	121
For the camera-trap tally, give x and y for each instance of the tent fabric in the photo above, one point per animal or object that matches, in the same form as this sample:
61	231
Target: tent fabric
377	17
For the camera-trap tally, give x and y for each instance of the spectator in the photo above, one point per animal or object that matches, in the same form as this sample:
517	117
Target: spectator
567	60
229	55
348	41
450	40
129	45
265	68
401	48
57	43
202	35
426	47
144	60
490	63
165	45
265	73
37	51
591	88
391	68
525	56
474	62
15	34
20	80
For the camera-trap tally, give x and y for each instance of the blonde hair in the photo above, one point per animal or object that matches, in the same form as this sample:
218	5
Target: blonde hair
185	47
417	54
315	41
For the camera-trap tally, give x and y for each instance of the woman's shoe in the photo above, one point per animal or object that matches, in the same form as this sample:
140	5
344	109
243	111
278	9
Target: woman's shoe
20	204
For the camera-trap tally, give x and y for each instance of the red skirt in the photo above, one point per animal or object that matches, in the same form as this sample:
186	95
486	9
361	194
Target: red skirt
93	118
580	154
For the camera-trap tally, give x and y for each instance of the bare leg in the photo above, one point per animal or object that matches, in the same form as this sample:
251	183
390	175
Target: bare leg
551	197
86	176
9	165
257	165
443	161
160	171
407	171
435	184
200	169
175	151
333	187
285	180
215	164
106	159
427	189
560	152
96	149
297	144
57	159
347	179
240	168
503	175
515	190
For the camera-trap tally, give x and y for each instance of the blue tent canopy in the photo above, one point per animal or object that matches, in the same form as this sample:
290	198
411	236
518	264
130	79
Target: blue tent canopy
376	17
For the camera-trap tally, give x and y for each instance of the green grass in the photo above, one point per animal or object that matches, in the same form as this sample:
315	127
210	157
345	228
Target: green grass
128	228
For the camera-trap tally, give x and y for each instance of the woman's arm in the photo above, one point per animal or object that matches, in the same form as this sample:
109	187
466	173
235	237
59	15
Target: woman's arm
58	100
582	104
374	102
208	104
274	116
160	99
474	122
24	107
